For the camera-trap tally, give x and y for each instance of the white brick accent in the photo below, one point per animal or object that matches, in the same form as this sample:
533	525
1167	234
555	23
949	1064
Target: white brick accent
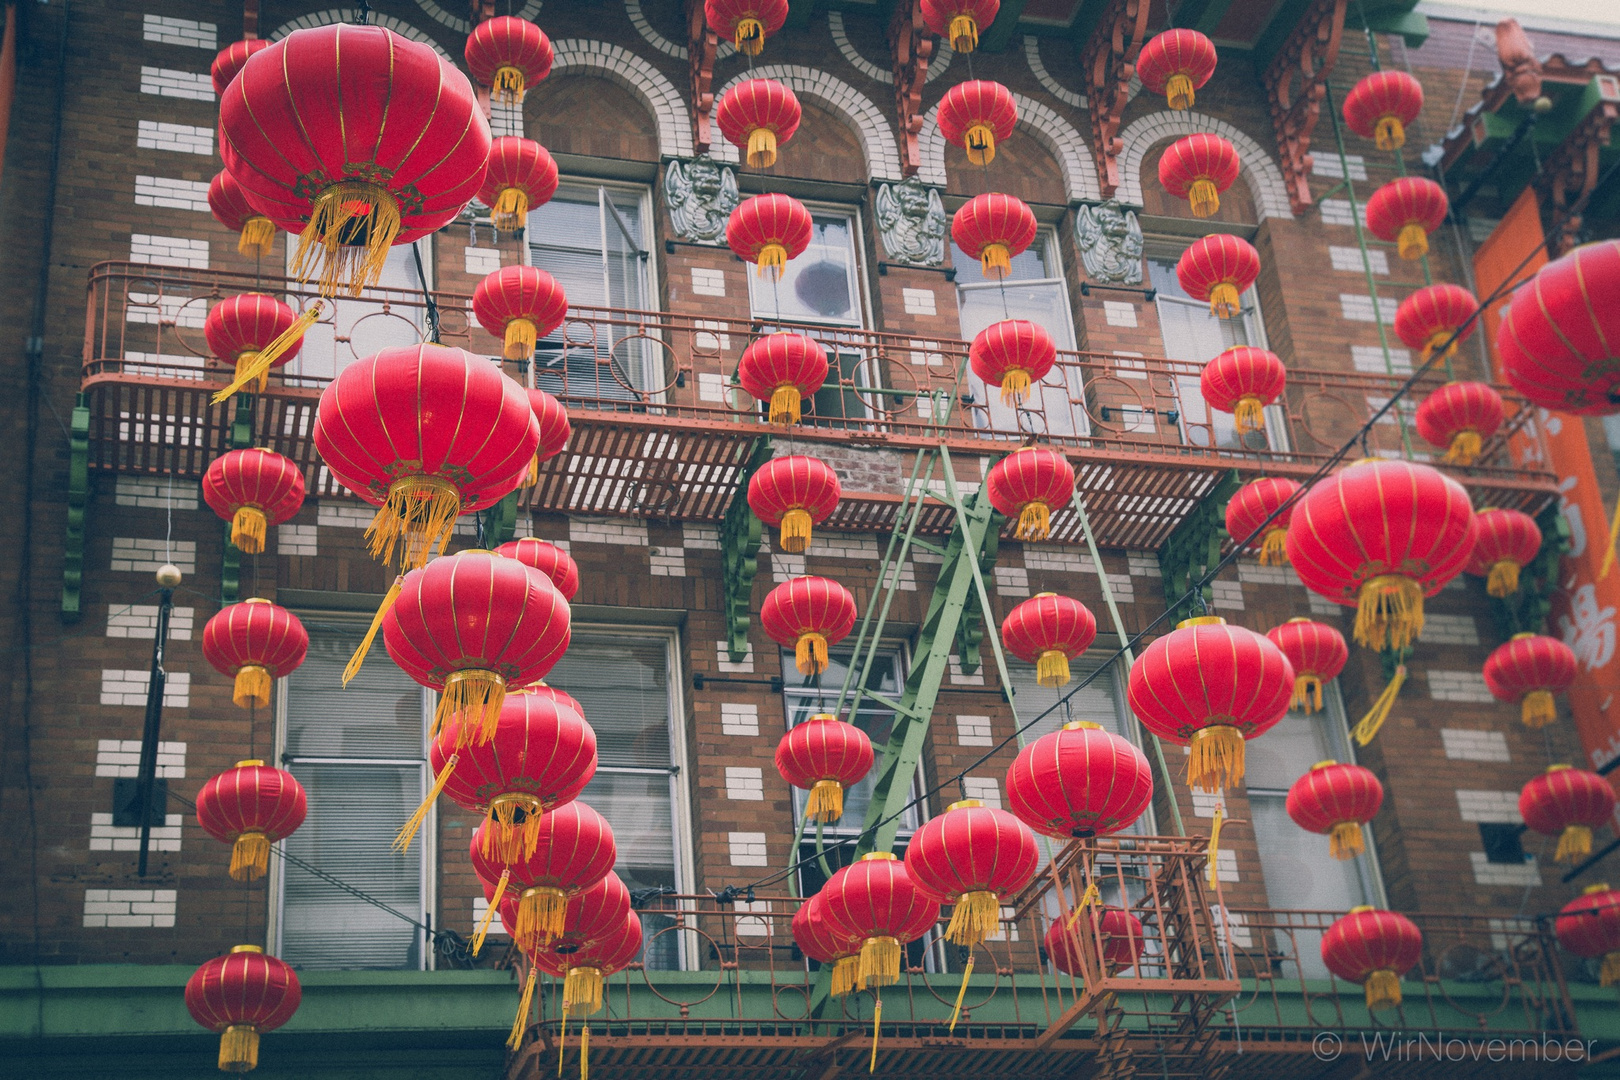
1358	307
1235	925
641	78
1142	564
168	31
1227	595
1032	54
983	788
707	281
296	540
1259	170
1204	803
1370	358
925	354
700	537
723	660
1337	212
667	562
481	261
835	546
1012	581
1458	686
174	194
632	8
920	301
154	309
496	927
127	686
342	515
785	566
711	386
155	494
973	731
962	678
747	848
1348	259
1489	806
398	26
179	138
168	251
737	718
717	341
869	123
1489	873
747	784
139	555
122	757
129	908
140	621
1226	864
1119	313
1322	607
622	532
1127	366
1268	575
167	82
1326	164
1466	744
1450	630
1049	128
105	836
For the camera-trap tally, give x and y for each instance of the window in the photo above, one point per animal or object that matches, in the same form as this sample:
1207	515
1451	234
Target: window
360	754
821	286
359	328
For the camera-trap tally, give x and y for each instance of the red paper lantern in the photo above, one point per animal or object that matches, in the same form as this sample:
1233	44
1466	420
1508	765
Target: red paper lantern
522	175
1079	781
824	756
591	915
745	23
1211	686
1505	542
1530	669
382	147
1242	381
1251	505
1217	268
877	900
230	207
574	851
974	857
471	625
555	431
1429	317
1031	484
1458	418
1049	630
547	558
424	433
1198	168
1381	105
508	55
1374	948
1175	63
769	231
795	492
1405	211
250	807
976	115
960	21
994	228
1336	800
520	305
254	642
783	369
1382	535
1559	347
757	116
228	63
808	613
240	995
1589	927
254	333
585	969
253	489
1316	652
821	940
1567	803
1012	354
1121	934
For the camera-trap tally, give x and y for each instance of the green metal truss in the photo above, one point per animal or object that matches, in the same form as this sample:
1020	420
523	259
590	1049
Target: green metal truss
78	494
1195	546
740	536
500	521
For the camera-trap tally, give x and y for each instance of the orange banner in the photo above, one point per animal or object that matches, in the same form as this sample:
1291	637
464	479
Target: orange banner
1584	607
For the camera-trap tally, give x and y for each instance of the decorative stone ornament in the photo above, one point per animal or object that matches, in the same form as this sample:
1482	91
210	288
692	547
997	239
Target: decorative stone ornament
912	221
1110	240
701	194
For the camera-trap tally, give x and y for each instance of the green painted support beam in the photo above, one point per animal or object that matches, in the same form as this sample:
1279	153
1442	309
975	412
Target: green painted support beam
500	521
230	573
78	503
1195	546
1004	31
740	535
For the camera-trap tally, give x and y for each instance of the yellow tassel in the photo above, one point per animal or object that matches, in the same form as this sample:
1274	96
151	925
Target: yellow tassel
796	526
510	212
1464	448
490	911
1223	300
1216	762
1383	990
956	1010
582	991
250	856
1503	579
419	515
964	33
880	962
1274	548
1390	133
508	85
996	261
521	335
1249	414
844	972
1089	897
785	405
976	916
1614	537
772	259
1367	729
877	1022
532	477
1389	612
1212	869
1346	840
1538	709
1437	339
1178	91
352	668
248	526
1203	198
761	148
352	224
749	37
1413	242
1052	668
521	1022
1574	844
980	143
1014	386
239	1049
826	802
252	686
258	237
584	1052
514	828
810	654
540	913
256	366
562	1043
1307	694
1034	522
472	697
407	832
1610	972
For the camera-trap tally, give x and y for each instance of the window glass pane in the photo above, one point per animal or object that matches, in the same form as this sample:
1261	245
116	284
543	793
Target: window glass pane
803	702
368	327
1097	702
820	285
1287	751
639	806
378	715
1031	264
1301	875
1191	333
623	683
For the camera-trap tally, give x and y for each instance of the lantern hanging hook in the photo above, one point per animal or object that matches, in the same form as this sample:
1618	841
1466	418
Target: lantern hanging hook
362	13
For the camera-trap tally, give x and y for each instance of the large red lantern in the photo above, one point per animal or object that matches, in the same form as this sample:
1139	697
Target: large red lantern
229	60
1316	652
240	995
586	965
1121	934
1211	686
256	234
795	492
1079	781
254	333
508	55
522	175
471	625
745	23
1336	800
1175	63
382	147
1458	418
976	115
1198	168
1242	381
1049	630
1505	542
520	305
555	431
1435	315
253	489
1381	105
574	851
960	21
1558	345
424	433
1567	803
1405	211
808	613
1381	535
994	228
877	900
547	558
1589	927
250	807
757	116
254	642
769	231
1530	669
974	857
824	756
1374	948
1012	354
1031	484
1250	507
1218	268
819	938
783	369
591	915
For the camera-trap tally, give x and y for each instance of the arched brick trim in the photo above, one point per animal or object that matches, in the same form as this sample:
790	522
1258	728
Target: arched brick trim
463	26
943	53
1264	178
868	122
585	56
651	36
332	16
1032	54
1050	129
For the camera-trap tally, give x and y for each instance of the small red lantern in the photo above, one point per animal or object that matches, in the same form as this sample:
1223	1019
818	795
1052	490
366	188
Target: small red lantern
519	304
1589	927
756	116
253	489
591	915
1079	781
1242	381
1218	268
230	207
1049	630
809	613
783	369
1336	800
241	995
1316	652
1530	669
877	900
1251	505
1175	63
1381	105
1012	354
745	23
769	231
994	228
574	851
1567	803
1120	932
1458	418
585	967
254	333
960	21
825	943
1558	347
976	115
254	642
1374	948
1031	484
1381	535
824	756
547	558
555	431
1405	211
522	175
508	55
1198	168
973	857
1429	317
795	492
250	807
228	62
1211	686
1506	541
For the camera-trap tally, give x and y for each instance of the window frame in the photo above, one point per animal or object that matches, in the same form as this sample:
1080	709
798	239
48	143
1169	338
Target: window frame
861	293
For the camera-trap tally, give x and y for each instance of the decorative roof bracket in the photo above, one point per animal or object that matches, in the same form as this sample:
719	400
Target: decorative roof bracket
701	45
1109	60
913	47
1308	55
1571	171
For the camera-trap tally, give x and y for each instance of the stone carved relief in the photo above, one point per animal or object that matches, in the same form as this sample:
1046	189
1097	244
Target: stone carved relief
1110	241
701	194
912	220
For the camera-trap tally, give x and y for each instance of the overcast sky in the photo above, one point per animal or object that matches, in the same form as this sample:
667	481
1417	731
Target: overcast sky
1593	12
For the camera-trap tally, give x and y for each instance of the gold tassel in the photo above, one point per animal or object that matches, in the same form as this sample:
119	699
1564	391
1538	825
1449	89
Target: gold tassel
749	36
250	856
352	224
584	1051
252	686
976	916
1249	414
521	335
258	237
1203	197
1034	522
473	698
964	33
490	912
540	913
826	802
257	365
1015	384
1389	133
1178	91
1213	875
996	261
508	85
239	1049
1216	762
1538	709
514	827
1412	242
1504	578
771	260
419	515
1305	688
532	477
407	832
1437	339
761	148
1274	548
352	668
1383	990
880	962
248	526
1464	448
877	1022
1574	844
1087	898
1610	973
980	143
1223	300
785	405
810	654
844	972
1346	840
1052	668
1614	537
515	1039
562	1043
796	525
582	991
1389	612
956	1010
509	214
1367	729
